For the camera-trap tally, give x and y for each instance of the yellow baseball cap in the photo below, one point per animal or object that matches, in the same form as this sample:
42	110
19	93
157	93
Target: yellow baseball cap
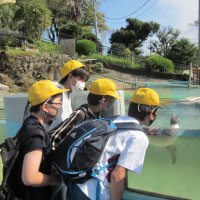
70	66
146	96
104	86
42	90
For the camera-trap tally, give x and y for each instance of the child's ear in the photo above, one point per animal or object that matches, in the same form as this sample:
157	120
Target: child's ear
70	75
43	107
152	115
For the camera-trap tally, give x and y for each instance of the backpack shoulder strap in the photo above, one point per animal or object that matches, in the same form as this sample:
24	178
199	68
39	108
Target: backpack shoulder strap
84	109
63	129
87	111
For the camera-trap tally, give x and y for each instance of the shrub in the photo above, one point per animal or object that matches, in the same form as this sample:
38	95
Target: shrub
98	68
159	63
85	47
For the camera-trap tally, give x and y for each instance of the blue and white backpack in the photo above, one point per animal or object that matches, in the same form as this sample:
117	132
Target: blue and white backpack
76	155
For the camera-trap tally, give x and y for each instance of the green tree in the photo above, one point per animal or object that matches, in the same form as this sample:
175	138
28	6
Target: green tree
165	39
117	49
135	33
32	18
7	14
65	13
183	51
74	15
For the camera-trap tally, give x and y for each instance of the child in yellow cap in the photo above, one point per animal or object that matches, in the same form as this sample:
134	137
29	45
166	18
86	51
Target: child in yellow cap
74	74
31	176
144	105
126	147
101	97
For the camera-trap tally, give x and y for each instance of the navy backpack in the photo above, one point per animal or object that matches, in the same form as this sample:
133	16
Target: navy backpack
77	153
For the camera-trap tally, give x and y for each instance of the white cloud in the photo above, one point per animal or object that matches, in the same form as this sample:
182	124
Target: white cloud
184	12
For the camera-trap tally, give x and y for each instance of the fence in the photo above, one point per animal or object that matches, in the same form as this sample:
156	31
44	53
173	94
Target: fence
121	84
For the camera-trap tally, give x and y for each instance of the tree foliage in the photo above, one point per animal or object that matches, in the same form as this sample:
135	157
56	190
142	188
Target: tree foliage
183	51
165	39
117	49
7	14
32	18
68	14
135	33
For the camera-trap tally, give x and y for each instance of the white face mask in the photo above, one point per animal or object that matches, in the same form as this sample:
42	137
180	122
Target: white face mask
80	85
58	114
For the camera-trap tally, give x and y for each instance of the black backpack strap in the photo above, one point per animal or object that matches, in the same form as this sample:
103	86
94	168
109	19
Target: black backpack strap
84	109
63	129
87	111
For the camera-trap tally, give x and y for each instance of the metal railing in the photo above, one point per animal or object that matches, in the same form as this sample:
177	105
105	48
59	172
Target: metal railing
121	84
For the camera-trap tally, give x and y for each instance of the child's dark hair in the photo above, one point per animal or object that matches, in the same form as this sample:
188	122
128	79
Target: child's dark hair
35	108
139	111
94	99
81	72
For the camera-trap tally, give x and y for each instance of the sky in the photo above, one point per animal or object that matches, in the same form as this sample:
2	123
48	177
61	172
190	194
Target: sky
178	14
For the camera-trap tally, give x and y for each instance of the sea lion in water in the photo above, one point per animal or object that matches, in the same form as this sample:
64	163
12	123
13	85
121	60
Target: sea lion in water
165	137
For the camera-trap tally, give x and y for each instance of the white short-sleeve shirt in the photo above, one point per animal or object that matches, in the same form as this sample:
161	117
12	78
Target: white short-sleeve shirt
130	146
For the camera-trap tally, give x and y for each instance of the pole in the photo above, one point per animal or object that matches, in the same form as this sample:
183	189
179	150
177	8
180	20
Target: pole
190	74
150	47
95	19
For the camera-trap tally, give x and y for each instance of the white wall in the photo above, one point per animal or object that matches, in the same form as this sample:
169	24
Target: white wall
14	106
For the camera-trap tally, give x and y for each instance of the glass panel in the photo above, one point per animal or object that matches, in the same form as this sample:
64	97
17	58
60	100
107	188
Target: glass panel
171	169
172	164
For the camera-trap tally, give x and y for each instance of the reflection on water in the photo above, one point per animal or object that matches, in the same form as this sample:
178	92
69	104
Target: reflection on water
164	175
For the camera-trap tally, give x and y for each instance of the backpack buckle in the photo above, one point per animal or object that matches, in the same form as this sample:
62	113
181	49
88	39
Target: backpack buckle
95	172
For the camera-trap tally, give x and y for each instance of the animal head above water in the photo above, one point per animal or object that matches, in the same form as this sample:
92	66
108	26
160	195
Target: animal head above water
174	120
